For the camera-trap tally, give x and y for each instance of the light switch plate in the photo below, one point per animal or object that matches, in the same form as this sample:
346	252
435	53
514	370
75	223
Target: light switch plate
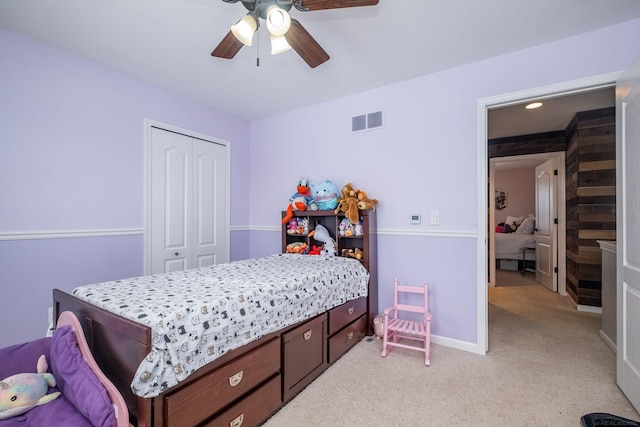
435	217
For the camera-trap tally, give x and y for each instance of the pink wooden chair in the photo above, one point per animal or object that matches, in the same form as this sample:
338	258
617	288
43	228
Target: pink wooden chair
396	328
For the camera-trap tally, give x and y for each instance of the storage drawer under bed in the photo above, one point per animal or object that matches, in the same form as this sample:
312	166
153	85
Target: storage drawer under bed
304	354
341	316
253	409
341	342
210	393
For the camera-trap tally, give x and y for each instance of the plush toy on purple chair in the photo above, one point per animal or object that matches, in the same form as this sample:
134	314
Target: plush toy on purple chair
21	392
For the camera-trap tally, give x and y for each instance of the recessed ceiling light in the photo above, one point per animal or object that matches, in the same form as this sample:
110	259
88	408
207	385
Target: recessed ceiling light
533	105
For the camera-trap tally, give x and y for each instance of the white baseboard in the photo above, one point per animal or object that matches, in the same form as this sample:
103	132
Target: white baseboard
589	309
608	342
458	345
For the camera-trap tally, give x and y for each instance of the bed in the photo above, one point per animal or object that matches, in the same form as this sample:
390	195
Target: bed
222	345
509	245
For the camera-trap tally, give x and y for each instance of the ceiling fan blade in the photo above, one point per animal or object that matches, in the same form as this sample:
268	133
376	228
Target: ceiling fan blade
335	4
228	47
307	47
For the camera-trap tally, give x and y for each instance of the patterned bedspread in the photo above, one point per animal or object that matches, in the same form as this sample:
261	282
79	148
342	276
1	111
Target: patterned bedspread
197	315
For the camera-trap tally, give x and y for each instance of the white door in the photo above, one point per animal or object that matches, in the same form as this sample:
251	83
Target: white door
546	245
209	203
628	230
188	202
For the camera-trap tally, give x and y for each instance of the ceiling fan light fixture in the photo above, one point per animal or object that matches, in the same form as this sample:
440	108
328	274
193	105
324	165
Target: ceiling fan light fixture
279	44
278	21
245	28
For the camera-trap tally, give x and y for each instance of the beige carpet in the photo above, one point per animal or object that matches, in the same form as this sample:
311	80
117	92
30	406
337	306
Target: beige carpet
546	366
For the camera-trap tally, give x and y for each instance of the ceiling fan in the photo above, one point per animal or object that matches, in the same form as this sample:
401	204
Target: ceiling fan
284	32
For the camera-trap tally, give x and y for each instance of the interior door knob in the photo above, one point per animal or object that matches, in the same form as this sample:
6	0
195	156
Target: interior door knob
177	253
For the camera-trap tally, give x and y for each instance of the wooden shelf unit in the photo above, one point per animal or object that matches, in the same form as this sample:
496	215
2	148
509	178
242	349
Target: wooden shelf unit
367	242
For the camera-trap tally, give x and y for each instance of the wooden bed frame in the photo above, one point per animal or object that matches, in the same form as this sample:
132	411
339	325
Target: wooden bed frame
243	387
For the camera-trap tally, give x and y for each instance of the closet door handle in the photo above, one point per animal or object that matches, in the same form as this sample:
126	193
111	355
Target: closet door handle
177	253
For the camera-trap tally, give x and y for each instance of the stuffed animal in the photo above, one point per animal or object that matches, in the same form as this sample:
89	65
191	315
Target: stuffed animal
21	392
292	227
346	228
301	200
316	250
350	207
358	228
357	253
365	204
348	203
321	234
352	201
296	248
378	326
325	195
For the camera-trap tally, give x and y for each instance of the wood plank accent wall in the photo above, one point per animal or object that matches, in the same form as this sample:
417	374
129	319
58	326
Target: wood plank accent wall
591	200
547	142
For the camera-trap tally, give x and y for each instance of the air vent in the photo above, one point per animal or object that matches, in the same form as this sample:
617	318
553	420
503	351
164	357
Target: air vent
366	121
374	120
358	123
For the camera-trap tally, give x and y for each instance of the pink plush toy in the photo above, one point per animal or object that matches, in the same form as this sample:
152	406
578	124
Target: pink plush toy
378	326
21	392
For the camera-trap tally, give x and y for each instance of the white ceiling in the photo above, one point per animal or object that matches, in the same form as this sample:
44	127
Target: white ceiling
168	42
554	115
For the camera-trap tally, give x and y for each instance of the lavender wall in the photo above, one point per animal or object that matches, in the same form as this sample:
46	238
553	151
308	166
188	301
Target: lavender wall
72	134
424	159
72	137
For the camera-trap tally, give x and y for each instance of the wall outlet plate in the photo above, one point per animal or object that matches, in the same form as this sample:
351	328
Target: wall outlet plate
416	219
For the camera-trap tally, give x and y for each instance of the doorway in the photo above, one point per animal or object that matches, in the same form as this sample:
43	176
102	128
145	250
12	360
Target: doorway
527	164
484	105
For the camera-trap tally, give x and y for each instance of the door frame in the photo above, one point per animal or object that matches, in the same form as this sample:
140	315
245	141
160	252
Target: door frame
482	176
148	125
559	162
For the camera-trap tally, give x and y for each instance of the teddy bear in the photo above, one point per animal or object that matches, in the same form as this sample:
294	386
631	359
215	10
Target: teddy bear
348	203
354	197
350	207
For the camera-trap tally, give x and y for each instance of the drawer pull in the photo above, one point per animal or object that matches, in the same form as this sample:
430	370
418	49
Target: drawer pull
350	335
235	379
350	310
307	334
237	421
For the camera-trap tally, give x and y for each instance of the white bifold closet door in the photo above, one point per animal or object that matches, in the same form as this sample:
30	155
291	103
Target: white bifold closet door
188	197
